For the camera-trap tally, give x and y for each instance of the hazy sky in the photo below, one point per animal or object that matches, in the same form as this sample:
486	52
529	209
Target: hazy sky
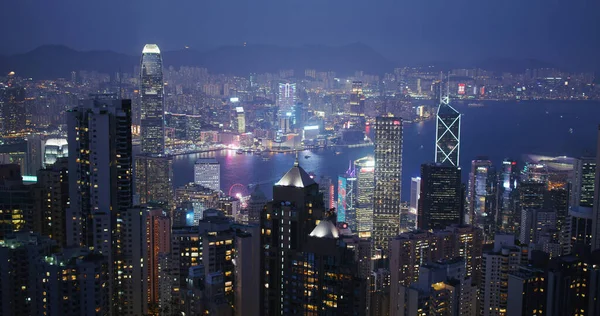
563	31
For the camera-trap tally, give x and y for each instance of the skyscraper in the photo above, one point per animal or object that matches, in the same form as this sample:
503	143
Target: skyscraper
415	191
507	197
13	110
357	99
154	179
286	98
207	173
441	199
365	186
240	119
388	180
596	212
346	209
152	101
100	216
447	137
482	197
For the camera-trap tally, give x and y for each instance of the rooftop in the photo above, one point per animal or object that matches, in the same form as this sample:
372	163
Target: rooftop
325	229
296	177
151	49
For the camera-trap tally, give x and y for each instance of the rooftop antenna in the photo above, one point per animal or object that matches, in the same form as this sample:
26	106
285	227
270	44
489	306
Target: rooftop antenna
441	84
297	162
448	86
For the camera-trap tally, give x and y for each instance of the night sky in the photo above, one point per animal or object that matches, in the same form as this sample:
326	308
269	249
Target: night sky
565	32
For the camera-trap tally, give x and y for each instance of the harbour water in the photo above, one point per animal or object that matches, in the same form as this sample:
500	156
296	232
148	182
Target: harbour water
496	130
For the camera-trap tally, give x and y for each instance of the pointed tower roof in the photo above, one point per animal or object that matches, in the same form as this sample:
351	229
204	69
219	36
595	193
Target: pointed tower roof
257	194
296	177
325	229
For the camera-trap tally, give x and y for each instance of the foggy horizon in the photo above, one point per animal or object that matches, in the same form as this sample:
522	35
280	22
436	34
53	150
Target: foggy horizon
565	33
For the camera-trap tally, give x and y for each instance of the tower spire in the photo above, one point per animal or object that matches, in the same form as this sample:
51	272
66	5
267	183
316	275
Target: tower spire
297	162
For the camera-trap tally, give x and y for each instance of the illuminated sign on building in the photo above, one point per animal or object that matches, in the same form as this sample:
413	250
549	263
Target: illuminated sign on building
461	88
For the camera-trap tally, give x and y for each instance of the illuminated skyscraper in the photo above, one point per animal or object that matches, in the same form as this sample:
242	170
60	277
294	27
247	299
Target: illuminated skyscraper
507	197
158	239
447	137
388	180
207	173
286	98
415	191
440	203
596	209
365	179
482	197
346	211
152	127
240	119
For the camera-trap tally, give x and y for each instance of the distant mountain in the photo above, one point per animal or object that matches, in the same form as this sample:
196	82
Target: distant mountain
55	61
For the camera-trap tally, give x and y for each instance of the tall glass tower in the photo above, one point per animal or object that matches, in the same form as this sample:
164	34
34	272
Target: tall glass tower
388	185
152	106
447	137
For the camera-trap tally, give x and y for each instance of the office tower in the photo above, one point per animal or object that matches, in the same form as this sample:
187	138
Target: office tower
557	199
53	149
505	257
207	173
415	191
467	243
527	292
442	289
531	195
582	188
158	238
327	189
388	180
365	186
186	252
441	200
347	198
13	110
357	99
101	190
152	129
16	204
286	98
447	136
534	222
507	196
154	179
256	204
240	118
52	199
596	204
482	197
285	225
573	285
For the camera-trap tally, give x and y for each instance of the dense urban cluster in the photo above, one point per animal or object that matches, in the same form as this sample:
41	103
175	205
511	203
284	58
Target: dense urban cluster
91	222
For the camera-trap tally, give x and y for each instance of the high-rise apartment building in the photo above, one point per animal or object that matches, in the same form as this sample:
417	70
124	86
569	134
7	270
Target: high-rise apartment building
16	203
100	216
207	173
505	257
388	180
152	127
52	199
158	238
447	137
441	198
